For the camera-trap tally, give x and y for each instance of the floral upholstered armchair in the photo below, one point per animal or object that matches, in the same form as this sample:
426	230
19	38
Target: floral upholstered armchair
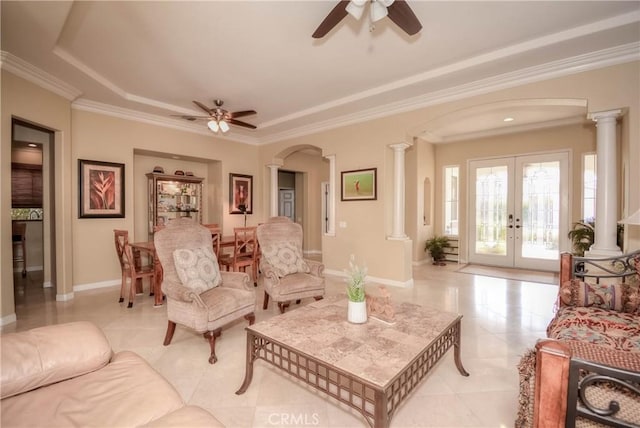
284	273
199	296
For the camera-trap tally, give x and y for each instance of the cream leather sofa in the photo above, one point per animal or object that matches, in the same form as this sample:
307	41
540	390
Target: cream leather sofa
66	375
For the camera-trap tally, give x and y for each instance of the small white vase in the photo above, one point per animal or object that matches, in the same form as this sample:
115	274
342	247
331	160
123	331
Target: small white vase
357	312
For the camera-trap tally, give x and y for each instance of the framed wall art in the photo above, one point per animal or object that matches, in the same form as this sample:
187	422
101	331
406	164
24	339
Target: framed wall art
240	194
100	189
359	185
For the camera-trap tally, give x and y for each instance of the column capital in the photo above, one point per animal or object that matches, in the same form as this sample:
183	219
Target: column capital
597	115
400	146
273	166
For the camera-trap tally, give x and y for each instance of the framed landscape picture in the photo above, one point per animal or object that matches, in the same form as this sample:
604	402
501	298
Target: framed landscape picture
240	194
100	189
359	185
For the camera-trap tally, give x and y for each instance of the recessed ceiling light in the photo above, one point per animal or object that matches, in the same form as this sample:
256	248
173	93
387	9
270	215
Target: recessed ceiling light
32	145
175	157
508	119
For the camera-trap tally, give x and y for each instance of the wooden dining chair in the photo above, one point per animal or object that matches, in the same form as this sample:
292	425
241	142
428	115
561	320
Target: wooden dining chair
130	268
19	239
216	236
244	252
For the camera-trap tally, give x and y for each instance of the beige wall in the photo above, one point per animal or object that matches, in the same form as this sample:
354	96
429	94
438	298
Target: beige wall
363	145
111	139
420	197
24	100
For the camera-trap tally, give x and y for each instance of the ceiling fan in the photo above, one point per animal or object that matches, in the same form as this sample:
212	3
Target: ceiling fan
219	119
398	11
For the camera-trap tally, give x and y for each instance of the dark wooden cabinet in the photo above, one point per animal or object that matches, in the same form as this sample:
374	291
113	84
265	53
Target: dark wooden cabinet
26	185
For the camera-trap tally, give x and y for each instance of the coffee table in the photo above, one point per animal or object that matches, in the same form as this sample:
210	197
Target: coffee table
371	367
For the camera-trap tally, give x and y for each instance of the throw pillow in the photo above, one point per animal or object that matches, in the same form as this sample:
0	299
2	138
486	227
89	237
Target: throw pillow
605	296
285	257
197	268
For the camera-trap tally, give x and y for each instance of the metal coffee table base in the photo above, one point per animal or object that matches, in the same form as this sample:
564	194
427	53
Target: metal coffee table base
376	404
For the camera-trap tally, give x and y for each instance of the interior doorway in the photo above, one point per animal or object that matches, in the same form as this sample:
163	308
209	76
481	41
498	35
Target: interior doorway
32	204
518	210
287	194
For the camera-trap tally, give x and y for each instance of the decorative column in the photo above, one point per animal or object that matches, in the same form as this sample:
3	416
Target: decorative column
331	199
273	198
398	191
606	230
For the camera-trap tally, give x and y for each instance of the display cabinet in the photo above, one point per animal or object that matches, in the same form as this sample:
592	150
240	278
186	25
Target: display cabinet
173	196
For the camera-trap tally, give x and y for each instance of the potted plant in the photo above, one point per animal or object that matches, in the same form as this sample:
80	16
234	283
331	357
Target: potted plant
582	236
436	247
357	309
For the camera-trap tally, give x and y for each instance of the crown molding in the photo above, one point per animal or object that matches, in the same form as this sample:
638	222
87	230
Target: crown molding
551	70
152	119
93	74
33	74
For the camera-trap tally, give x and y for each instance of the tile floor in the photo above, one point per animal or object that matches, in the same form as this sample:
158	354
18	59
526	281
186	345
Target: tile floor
501	319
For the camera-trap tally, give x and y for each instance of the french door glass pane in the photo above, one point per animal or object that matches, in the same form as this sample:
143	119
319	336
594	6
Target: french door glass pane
491	210
541	210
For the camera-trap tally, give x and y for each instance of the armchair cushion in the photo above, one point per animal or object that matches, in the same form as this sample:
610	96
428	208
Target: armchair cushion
197	268
285	257
621	297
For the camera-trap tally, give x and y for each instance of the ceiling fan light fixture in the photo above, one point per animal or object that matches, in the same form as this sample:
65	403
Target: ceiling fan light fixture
378	11
355	8
213	125
224	126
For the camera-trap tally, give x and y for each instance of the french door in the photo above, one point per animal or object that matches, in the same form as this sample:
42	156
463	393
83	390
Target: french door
518	210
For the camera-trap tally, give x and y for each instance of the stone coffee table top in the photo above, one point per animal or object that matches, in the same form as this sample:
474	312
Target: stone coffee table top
374	351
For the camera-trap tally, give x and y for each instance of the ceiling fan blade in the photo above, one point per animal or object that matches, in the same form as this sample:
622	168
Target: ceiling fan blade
242	113
403	16
335	16
240	123
203	107
191	118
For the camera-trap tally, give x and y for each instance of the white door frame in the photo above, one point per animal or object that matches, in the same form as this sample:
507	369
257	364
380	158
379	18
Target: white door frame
513	212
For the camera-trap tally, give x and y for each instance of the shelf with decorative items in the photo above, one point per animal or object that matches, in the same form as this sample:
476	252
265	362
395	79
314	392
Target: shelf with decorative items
173	196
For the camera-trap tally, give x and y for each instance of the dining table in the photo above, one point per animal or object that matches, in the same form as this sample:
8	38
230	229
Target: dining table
149	248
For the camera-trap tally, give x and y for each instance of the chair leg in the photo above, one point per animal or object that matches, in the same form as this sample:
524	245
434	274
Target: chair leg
283	306
298	301
318	298
211	337
251	318
132	292
123	284
171	328
265	305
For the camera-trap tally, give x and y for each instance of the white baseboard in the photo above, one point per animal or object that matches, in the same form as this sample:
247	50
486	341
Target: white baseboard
64	297
95	285
47	284
312	252
383	281
9	319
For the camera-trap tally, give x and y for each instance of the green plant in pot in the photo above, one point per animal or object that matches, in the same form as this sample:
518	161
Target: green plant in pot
357	310
436	246
582	236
